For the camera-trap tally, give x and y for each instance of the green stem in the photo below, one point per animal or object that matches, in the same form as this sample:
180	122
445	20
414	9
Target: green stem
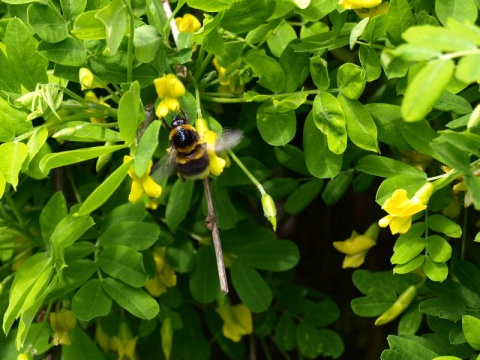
464	233
130	42
248	173
15	210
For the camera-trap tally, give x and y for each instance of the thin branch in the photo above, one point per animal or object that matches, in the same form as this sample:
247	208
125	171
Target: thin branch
211	223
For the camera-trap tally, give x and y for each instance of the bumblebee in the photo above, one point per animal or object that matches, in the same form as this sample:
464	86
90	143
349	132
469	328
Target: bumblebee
188	153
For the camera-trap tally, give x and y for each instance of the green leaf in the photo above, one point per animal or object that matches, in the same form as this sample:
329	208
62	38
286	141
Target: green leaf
114	18
278	188
319	73
146	147
67	231
269	255
270	73
386	167
105	190
361	128
369	306
399	19
309	340
351	80
234	176
303	196
444	225
410	349
410	321
438	38
336	188
285	332
428	84
419	135
72	8
246	15
406	249
445	307
82	347
468	274
276	128
317	9
178	203
370	62
470	326
88	27
35	143
21	47
438	248
135	301
91	301
388	119
467	70
409	266
52	213
320	314
64	158
435	271
204	284
332	343
123	263
357	32
330	119
48	23
292	158
449	102
451	155
68	52
8	79
210	5
280	38
225	211
12	156
74	276
376	28
147	43
181	254
295	67
129	112
321	162
250	287
461	10
135	234
29	281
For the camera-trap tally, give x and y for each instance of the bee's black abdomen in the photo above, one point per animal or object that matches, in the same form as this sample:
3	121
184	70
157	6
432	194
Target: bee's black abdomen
194	166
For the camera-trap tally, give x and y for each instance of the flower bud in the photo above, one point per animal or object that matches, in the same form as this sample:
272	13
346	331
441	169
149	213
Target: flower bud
424	193
398	306
270	210
167	334
87	79
65	132
473	124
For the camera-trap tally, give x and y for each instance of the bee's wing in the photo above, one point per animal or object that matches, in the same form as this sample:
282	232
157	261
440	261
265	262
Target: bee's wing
164	167
229	139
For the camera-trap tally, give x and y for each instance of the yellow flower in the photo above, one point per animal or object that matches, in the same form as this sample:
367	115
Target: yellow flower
188	23
142	184
102	338
90	95
169	89
87	79
62	322
216	163
164	275
22	356
237	321
358	4
401	209
221	72
124	344
356	247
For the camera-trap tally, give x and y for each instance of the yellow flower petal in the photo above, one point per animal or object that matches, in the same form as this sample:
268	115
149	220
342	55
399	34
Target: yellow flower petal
358	4
136	191
151	188
354	245
354	261
216	164
400	225
237	321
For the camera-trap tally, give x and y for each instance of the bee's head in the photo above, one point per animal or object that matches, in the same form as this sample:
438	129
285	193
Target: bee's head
179	120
